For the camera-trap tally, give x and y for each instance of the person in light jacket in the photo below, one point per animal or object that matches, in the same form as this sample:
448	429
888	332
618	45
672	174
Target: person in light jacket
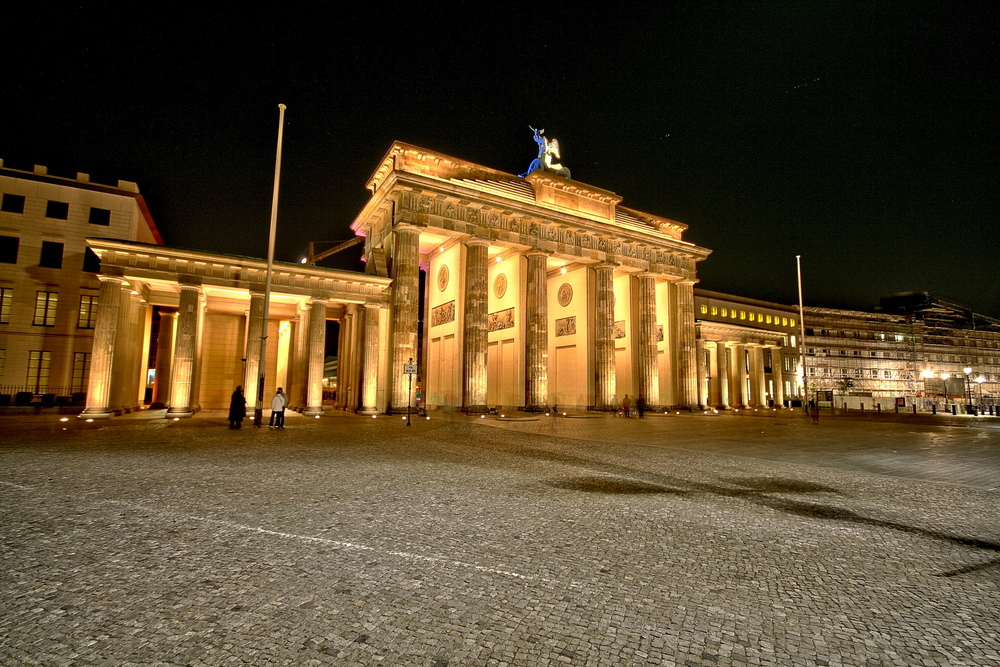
278	404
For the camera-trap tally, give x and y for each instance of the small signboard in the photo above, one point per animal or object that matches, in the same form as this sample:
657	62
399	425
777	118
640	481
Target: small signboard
409	369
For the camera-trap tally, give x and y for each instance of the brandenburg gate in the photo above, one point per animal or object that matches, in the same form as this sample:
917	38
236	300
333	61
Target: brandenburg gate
541	292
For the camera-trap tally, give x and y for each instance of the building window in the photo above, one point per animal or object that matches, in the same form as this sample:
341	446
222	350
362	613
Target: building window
812	372
81	370
91	262
52	255
789	363
45	309
887	374
704	309
12	203
743	314
57	210
873	373
791	322
100	216
857	372
38	370
725	312
6	296
88	312
8	249
715	310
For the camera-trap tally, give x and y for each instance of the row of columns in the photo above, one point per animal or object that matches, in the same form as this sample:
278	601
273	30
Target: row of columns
739	380
536	349
121	339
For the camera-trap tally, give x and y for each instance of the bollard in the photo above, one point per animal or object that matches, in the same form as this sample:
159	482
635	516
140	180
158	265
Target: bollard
933	408
862	407
878	408
896	409
954	409
914	408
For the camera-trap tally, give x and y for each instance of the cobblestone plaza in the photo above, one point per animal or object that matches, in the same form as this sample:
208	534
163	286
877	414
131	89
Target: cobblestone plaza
680	540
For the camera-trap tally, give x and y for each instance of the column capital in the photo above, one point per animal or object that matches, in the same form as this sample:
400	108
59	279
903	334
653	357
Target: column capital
477	240
535	252
106	278
406	227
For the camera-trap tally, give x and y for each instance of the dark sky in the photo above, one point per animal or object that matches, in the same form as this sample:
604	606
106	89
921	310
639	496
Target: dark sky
861	135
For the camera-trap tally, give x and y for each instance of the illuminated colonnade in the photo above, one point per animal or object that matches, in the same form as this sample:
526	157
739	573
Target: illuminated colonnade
540	292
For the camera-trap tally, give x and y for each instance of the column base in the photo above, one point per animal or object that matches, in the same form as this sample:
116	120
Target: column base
475	410
179	413
535	408
368	411
95	413
313	411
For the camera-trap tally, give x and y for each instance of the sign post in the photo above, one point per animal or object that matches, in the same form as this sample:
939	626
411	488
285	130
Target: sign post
410	369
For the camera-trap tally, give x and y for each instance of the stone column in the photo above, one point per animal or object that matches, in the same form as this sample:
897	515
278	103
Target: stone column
369	361
185	349
164	360
703	374
255	329
123	346
475	335
758	386
722	364
103	352
605	395
351	371
317	345
135	372
686	344
777	375
649	370
405	302
536	334
739	377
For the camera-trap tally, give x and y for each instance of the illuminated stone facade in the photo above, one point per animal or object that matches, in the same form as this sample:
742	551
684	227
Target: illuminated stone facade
50	288
540	291
210	309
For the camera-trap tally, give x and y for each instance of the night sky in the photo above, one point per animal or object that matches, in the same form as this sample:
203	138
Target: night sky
860	135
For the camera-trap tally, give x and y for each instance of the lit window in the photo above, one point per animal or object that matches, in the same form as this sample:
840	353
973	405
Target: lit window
784	321
725	312
768	319
752	317
38	370
704	309
791	322
715	311
6	295
81	370
743	315
88	312
45	309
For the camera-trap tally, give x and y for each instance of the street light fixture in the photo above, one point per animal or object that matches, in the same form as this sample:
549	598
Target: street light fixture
968	391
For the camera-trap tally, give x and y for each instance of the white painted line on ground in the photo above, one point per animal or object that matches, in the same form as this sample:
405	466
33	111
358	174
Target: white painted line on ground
334	543
17	486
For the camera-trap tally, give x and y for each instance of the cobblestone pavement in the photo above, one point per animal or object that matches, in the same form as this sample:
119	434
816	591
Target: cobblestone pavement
359	541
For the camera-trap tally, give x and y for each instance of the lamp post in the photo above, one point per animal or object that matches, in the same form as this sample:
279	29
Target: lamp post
968	391
944	384
926	374
802	339
258	412
980	380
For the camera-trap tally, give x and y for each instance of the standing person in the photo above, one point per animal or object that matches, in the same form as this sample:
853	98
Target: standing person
626	406
640	405
278	404
237	408
814	411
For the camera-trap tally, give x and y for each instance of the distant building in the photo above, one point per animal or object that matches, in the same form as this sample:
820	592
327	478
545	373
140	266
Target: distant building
916	351
49	284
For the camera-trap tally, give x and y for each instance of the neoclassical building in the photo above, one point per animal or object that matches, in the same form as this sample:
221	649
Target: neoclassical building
540	291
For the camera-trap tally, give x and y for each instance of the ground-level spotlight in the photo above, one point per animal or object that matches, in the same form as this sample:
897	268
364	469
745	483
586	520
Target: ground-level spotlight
503	415
428	419
317	416
482	416
373	416
177	419
89	420
64	419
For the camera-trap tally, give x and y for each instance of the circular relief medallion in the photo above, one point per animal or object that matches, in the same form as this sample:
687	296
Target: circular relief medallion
443	277
565	294
500	285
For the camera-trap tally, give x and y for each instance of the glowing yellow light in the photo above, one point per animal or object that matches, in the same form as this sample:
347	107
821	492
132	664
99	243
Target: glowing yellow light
304	260
64	419
482	416
89	420
441	249
499	259
373	416
428	419
563	270
317	416
177	419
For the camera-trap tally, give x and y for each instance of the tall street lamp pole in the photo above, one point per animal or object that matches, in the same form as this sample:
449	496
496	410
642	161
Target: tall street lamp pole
258	411
802	337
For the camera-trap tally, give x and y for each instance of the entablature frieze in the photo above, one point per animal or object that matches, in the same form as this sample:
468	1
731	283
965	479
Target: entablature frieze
572	238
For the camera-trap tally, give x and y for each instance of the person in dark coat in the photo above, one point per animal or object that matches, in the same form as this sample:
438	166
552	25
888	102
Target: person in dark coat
237	408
